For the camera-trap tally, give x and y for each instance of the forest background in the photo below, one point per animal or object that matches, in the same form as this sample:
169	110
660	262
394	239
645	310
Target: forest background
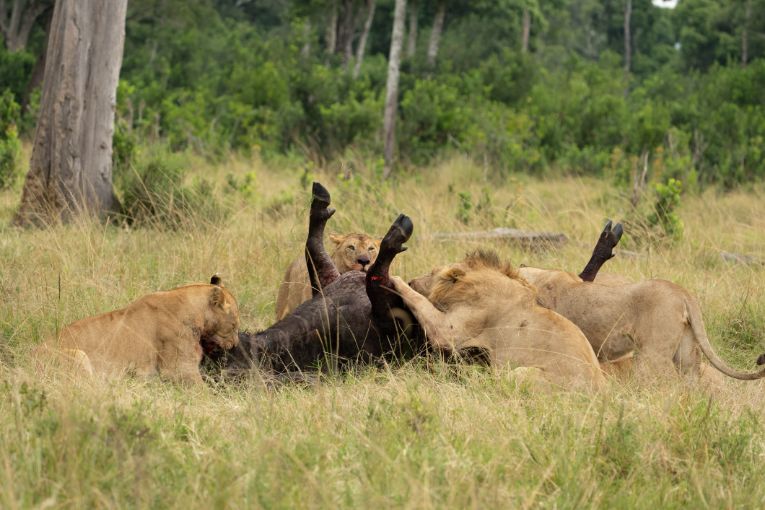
614	88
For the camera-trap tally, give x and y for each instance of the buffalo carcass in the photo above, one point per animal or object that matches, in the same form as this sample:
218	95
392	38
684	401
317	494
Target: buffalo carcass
352	316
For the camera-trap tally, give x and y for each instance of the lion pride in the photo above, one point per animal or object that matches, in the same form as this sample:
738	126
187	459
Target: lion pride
657	319
161	333
352	252
482	303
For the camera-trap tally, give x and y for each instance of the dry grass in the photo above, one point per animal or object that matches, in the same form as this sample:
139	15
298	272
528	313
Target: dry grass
416	435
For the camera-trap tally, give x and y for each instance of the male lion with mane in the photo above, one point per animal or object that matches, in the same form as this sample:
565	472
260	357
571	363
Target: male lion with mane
480	303
161	333
353	252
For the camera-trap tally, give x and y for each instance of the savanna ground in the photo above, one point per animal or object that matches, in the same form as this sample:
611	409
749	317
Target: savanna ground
418	434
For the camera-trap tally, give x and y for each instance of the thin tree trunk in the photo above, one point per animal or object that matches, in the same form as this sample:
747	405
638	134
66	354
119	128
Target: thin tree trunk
745	34
411	42
627	36
391	92
346	32
16	26
331	33
38	71
361	49
435	34
70	170
526	30
305	51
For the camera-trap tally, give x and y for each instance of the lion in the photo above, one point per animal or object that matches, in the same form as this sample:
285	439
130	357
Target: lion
161	333
352	252
481	303
657	319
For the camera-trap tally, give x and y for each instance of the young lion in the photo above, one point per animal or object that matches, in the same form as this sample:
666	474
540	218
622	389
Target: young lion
163	332
352	252
481	303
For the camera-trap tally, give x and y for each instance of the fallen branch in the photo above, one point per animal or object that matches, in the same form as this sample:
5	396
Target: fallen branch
738	258
523	238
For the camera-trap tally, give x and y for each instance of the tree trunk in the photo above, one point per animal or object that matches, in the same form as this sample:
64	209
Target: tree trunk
391	90
745	34
70	171
345	32
627	36
435	34
364	36
526	30
411	41
331	34
16	26
38	71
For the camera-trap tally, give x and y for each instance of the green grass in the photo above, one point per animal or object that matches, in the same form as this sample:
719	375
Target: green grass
421	434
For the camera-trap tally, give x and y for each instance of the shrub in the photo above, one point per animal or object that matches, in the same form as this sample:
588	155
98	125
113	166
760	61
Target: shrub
10	147
154	193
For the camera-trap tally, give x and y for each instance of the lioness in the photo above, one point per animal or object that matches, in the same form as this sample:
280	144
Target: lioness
659	320
481	303
352	252
163	332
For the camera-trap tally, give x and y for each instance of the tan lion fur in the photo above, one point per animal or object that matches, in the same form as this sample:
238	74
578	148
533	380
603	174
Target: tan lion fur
657	319
296	287
481	303
160	333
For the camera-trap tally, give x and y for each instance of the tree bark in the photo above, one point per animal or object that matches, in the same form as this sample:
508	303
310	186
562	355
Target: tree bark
627	36
361	48
345	32
435	34
331	33
745	34
16	25
70	171
391	90
526	30
411	41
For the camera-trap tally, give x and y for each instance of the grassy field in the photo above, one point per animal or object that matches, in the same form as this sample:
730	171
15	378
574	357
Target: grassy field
418	435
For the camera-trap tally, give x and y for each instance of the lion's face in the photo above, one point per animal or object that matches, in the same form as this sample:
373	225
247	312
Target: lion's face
222	321
354	251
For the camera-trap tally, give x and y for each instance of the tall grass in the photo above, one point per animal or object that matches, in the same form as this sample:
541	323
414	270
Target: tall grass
420	434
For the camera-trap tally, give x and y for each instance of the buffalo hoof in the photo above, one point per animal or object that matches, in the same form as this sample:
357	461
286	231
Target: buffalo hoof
399	233
320	209
609	238
761	359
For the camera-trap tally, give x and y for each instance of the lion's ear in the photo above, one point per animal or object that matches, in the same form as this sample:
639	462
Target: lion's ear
217	297
454	274
216	280
336	238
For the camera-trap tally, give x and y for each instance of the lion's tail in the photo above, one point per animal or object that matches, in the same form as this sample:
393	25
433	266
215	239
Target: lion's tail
697	325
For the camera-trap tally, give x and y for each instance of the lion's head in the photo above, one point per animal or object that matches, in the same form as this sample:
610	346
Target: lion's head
221	318
354	251
454	282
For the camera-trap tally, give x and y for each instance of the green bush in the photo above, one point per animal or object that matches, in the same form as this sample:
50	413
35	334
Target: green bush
154	192
10	146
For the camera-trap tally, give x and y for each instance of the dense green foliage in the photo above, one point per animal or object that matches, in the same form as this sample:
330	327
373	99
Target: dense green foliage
221	75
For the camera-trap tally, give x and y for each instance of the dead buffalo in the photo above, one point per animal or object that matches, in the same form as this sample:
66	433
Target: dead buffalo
351	317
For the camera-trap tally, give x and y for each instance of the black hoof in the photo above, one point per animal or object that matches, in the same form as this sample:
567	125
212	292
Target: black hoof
399	233
320	195
761	359
618	231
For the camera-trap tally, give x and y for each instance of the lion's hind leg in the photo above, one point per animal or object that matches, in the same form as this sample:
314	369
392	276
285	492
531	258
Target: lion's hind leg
68	359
